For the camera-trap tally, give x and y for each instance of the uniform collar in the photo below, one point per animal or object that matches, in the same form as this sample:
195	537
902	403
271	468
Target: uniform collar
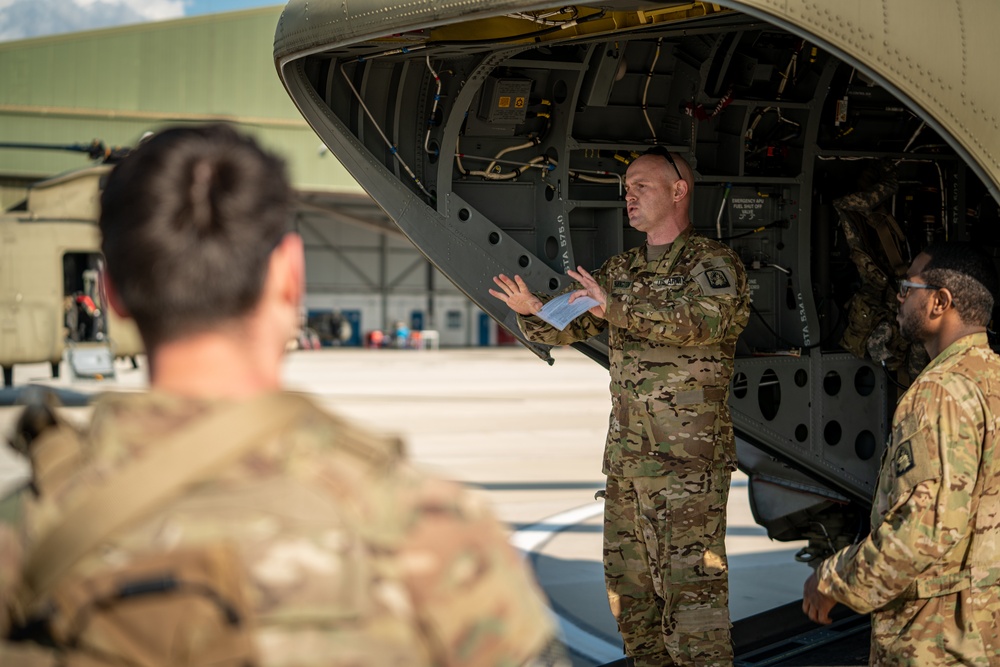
669	258
959	347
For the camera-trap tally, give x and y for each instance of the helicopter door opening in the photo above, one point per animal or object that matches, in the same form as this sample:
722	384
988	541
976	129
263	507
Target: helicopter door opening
88	347
82	304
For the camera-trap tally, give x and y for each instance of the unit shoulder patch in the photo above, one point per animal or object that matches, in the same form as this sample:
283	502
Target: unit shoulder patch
904	461
717	279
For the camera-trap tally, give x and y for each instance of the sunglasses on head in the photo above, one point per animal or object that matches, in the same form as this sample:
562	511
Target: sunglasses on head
664	153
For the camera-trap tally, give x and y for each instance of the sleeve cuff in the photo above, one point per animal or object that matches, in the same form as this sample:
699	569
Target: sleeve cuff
616	313
832	581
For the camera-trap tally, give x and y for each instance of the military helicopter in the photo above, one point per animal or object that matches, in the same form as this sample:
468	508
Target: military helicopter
51	300
829	144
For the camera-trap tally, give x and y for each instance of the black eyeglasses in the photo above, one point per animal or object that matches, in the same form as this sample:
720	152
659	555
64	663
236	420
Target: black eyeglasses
906	285
663	152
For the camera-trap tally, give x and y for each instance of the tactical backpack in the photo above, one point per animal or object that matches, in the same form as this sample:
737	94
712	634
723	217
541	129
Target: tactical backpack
180	607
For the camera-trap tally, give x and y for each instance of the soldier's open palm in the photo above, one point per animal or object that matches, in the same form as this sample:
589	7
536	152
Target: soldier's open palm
516	295
591	288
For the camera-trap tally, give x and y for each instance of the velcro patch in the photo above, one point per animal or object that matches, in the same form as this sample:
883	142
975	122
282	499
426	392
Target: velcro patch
717	279
904	461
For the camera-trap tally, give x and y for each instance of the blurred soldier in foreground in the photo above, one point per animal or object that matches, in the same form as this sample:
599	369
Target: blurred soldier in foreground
216	520
930	569
674	308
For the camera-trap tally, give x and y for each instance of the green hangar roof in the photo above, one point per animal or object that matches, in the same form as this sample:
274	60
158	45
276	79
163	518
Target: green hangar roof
116	84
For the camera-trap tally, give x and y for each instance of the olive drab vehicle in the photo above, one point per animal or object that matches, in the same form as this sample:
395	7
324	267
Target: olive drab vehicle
831	140
50	290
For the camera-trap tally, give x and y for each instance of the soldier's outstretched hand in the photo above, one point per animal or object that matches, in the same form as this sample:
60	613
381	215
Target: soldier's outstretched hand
516	295
591	288
815	604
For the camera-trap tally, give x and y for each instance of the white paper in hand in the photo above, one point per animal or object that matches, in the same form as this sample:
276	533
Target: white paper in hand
559	311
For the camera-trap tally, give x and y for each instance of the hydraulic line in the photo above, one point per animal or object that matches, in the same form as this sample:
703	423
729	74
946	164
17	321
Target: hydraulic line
603	177
944	207
645	90
437	98
522	37
538	162
920	129
543	19
511	149
722	209
392	147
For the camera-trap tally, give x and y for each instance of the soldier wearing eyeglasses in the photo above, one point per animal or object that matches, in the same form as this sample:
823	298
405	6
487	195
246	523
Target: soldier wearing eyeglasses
929	571
673	308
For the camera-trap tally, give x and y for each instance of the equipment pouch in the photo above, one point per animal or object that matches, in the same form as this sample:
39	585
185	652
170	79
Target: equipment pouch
186	607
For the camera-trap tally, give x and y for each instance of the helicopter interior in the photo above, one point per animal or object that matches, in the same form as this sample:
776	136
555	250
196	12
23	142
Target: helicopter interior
500	145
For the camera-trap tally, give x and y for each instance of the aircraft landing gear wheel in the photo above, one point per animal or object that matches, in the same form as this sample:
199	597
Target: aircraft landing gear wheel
8	376
55	369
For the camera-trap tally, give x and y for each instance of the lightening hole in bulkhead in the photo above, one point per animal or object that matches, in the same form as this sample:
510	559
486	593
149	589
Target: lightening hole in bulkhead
494	238
832	432
464	214
553	283
801	432
831	383
864	381
523	261
559	91
769	394
551	247
740	385
801	377
864	445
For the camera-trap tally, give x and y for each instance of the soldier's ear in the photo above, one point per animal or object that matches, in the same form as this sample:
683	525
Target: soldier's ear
680	190
943	300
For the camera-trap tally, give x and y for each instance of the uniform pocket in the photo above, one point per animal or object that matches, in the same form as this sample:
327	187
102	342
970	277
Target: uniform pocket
683	438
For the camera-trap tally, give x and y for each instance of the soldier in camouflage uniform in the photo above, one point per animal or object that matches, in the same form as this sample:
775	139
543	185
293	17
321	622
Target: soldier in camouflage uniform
930	569
674	308
339	551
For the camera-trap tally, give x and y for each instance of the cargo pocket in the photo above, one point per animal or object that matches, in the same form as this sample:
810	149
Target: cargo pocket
683	437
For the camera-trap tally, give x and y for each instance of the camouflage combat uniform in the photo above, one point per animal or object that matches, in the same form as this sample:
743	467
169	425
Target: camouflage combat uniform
931	565
670	451
351	556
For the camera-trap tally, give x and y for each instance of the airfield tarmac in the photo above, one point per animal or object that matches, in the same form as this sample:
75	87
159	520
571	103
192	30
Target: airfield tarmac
527	435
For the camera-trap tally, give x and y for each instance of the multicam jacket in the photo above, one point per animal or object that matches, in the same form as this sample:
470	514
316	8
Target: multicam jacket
351	556
930	567
673	326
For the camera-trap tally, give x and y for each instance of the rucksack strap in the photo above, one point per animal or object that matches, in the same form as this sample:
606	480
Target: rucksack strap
889	235
172	464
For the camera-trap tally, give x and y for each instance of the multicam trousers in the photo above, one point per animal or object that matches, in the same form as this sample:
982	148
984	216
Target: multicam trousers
665	567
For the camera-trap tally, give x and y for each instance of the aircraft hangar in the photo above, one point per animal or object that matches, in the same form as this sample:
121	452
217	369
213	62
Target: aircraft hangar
67	99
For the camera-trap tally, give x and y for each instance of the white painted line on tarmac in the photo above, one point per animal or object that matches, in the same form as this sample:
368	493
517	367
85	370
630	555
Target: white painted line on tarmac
535	536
